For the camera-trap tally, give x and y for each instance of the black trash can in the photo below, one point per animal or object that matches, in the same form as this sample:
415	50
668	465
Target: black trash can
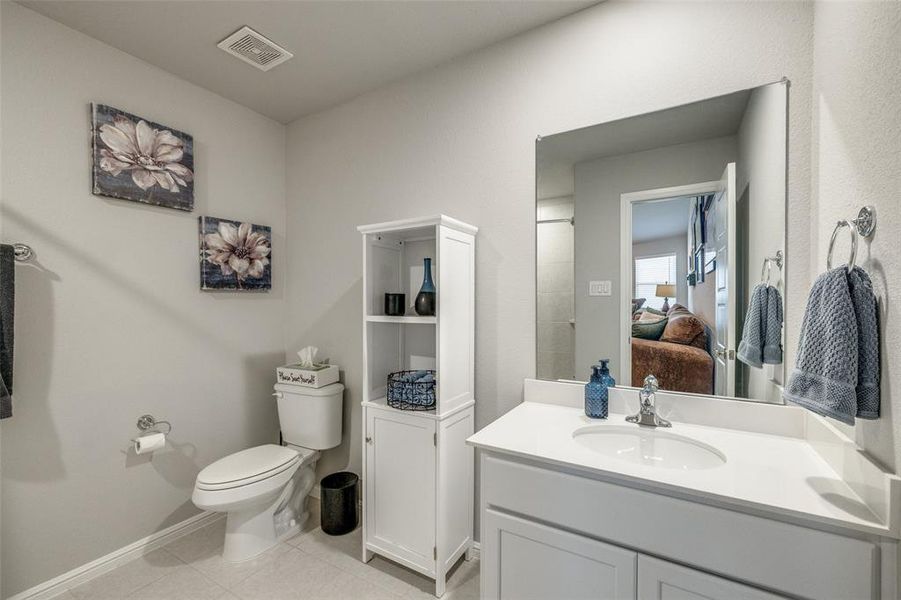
338	502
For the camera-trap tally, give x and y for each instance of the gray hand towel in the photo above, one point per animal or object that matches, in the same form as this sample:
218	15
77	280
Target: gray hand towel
753	335
826	370
772	337
7	312
864	301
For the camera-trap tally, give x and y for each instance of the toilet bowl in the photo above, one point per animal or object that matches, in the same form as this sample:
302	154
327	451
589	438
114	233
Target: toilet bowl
263	489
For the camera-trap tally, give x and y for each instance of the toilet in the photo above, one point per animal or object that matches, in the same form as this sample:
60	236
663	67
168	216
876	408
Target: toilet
263	489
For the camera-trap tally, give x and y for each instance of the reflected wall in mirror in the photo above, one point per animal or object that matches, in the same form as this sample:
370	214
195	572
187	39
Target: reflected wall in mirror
654	235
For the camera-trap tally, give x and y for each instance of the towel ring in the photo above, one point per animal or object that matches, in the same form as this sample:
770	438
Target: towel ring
768	264
864	225
853	257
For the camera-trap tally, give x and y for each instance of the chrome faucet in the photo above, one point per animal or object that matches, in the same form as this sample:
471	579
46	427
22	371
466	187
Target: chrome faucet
647	411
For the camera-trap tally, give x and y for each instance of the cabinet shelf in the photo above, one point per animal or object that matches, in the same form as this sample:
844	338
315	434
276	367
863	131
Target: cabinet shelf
382	404
405	319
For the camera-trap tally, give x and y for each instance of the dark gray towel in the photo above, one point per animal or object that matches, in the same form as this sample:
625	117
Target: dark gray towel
864	302
772	330
825	376
837	368
753	335
7	314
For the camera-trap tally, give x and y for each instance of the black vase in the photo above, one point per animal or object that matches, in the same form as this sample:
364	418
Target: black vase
425	299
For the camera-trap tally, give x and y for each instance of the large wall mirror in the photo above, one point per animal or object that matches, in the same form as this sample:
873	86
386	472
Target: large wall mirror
654	233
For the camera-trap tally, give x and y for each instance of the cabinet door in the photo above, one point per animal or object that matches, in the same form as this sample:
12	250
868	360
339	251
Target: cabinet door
400	486
523	560
661	580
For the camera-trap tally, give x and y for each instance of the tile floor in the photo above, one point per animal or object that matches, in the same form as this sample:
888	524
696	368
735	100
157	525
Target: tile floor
309	566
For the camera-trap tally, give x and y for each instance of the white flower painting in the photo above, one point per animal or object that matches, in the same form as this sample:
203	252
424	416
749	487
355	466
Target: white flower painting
136	159
234	256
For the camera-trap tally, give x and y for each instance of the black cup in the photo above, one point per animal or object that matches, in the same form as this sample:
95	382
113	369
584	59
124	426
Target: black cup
395	305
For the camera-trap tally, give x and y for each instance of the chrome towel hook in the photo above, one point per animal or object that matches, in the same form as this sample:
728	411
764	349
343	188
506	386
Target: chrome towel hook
864	225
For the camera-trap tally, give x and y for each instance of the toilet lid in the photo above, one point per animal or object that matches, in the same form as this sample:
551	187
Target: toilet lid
254	463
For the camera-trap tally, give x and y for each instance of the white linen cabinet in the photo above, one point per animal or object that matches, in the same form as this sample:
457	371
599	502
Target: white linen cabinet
417	468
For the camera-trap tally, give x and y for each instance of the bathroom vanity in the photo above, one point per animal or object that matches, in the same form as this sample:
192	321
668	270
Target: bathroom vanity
736	500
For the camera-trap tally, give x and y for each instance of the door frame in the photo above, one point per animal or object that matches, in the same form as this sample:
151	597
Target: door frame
726	357
625	256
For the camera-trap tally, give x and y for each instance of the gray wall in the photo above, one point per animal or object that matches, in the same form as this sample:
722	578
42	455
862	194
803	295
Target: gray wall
599	184
856	152
460	139
110	322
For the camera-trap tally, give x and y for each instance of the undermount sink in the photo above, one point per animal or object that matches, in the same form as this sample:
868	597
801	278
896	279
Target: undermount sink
649	447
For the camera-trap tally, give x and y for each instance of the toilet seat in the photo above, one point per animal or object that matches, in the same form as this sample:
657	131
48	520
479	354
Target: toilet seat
248	467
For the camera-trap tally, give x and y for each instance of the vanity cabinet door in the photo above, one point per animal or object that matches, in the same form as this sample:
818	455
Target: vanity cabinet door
661	580
524	560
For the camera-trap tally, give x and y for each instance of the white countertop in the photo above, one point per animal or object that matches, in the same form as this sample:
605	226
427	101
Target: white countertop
763	473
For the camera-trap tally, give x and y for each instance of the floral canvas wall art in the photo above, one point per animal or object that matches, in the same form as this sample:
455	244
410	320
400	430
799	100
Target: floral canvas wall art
234	255
137	159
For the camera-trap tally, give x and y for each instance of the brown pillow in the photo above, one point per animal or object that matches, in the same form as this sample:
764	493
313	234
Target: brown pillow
683	327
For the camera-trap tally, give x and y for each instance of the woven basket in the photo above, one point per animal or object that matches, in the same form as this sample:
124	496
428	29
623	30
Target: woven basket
405	394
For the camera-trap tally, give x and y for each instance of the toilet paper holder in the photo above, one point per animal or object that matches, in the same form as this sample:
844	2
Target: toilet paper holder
148	424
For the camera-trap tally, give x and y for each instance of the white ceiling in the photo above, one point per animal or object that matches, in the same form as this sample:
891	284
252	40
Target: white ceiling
341	49
659	219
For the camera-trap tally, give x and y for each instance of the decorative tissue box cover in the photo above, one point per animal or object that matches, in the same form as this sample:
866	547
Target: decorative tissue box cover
315	378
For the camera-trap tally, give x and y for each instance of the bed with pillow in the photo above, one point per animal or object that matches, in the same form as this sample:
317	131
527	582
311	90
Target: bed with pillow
674	347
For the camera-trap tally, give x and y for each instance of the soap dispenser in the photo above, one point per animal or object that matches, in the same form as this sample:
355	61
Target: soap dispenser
596	390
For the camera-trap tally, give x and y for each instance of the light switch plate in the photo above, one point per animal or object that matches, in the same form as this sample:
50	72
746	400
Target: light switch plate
600	288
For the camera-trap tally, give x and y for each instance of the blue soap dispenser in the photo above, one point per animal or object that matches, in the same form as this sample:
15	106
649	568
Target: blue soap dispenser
596	390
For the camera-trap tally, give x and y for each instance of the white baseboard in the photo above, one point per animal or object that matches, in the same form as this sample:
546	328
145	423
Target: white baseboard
117	558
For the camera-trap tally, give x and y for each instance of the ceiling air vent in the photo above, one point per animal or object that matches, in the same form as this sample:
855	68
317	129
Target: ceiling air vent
255	49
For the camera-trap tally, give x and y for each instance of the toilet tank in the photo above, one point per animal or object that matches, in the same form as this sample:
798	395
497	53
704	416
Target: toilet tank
310	417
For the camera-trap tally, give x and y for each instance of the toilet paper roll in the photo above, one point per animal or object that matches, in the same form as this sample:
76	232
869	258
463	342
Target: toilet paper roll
150	442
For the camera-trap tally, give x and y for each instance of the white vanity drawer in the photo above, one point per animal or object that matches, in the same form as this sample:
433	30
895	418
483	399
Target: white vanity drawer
786	558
